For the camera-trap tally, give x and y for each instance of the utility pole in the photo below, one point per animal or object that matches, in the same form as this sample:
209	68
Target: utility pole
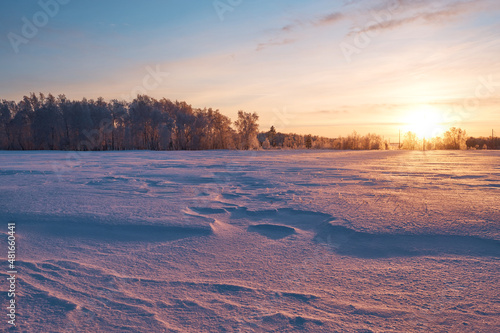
399	145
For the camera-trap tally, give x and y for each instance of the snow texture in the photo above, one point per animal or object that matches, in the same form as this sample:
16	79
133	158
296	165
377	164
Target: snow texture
268	241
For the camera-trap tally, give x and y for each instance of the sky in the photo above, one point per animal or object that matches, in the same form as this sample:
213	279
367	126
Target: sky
323	67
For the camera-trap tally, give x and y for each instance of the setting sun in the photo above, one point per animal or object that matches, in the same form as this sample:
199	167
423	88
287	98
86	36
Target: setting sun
426	122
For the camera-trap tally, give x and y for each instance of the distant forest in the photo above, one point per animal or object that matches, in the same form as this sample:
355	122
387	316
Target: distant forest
40	122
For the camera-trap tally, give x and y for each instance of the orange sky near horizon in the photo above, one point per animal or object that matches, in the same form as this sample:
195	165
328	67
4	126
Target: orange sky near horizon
325	67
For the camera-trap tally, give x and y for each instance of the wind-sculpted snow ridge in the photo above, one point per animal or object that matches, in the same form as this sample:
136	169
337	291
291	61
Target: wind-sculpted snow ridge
101	232
76	298
241	241
367	245
362	244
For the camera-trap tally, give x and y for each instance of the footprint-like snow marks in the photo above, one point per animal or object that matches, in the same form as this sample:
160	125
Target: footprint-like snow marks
366	245
302	219
272	231
117	233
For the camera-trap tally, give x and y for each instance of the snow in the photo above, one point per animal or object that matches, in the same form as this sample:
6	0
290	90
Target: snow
243	241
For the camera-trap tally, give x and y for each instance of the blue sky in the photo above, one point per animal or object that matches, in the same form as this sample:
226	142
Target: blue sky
323	67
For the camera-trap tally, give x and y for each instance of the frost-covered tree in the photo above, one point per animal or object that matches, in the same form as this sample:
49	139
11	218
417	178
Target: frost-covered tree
266	144
271	136
247	129
308	141
410	141
5	119
222	133
119	119
455	138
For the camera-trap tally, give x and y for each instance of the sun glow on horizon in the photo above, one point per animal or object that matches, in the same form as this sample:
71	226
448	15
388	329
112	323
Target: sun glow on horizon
425	121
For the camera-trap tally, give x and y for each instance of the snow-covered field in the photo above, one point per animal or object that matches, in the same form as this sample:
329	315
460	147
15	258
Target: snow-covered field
231	241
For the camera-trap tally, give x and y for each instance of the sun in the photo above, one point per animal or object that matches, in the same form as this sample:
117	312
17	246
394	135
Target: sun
425	121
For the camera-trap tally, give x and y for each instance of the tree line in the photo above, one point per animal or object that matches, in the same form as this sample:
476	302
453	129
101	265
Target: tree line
46	122
354	141
454	138
40	122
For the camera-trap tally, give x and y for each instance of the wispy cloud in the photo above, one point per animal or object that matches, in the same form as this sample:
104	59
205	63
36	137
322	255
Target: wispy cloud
329	19
270	43
404	13
427	12
325	20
